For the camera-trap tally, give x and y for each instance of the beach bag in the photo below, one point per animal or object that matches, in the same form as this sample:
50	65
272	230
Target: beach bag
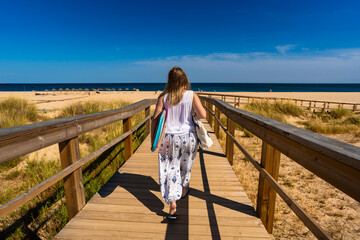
203	136
159	130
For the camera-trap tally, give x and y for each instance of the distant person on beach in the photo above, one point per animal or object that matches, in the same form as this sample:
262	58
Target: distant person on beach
179	145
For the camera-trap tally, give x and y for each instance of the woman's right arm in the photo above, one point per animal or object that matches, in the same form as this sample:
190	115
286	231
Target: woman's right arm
198	107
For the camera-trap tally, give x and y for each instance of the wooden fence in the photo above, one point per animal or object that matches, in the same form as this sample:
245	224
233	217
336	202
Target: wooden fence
18	141
317	105
336	162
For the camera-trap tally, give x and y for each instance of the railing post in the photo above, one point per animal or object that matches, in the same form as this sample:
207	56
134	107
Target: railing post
73	184
229	141
147	125
216	123
128	142
270	160
210	121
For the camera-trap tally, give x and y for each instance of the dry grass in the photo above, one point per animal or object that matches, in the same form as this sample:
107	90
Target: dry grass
336	212
16	112
46	214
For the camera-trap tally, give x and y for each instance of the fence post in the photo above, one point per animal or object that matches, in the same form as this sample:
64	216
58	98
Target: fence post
210	107
147	125
73	183
128	142
229	142
216	123
270	160
354	108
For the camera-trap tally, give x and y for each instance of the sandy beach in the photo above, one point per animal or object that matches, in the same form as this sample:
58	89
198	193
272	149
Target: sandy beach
57	100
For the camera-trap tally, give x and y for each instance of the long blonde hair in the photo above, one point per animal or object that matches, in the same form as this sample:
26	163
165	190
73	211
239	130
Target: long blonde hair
177	82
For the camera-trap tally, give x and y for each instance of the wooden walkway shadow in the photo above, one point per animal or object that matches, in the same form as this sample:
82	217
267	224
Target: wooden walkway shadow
129	205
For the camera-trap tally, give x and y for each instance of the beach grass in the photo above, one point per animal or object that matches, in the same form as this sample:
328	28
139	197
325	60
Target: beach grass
36	212
16	112
276	111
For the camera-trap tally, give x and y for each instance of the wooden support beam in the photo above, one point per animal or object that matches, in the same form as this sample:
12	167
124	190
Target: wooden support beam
270	160
148	122
73	184
216	123
128	142
229	142
210	107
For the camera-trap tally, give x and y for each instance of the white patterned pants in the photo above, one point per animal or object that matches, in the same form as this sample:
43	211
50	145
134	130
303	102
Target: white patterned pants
177	153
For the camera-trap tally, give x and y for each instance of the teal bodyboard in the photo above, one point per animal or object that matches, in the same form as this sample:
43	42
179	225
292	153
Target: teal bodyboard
159	130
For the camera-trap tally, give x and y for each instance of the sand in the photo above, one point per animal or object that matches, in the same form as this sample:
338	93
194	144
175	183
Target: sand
57	100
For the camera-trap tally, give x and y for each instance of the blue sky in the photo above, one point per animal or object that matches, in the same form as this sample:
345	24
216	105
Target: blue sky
214	41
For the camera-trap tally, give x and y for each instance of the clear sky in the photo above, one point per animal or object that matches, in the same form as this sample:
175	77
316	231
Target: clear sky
213	41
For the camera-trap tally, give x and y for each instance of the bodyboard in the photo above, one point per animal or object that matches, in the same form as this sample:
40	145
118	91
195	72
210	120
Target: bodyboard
160	128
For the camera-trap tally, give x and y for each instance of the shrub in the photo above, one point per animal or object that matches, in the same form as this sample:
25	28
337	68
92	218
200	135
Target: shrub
82	108
339	113
16	112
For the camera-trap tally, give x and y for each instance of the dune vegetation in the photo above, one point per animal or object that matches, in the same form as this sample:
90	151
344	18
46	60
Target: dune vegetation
336	212
46	214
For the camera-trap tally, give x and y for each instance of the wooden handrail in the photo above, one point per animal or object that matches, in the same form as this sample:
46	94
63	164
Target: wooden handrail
311	104
84	124
336	162
21	140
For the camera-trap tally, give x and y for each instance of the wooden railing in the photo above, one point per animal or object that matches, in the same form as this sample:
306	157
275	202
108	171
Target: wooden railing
237	100
336	162
18	141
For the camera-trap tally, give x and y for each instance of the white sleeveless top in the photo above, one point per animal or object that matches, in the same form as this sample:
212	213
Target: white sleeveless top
179	117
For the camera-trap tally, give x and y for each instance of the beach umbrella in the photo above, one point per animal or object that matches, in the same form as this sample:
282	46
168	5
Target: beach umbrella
113	89
53	89
80	89
100	89
93	89
120	89
67	89
46	90
60	89
86	89
126	89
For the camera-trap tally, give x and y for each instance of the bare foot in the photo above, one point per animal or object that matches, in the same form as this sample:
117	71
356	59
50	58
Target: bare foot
172	207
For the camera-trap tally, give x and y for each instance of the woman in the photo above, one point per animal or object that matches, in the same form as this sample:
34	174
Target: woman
179	145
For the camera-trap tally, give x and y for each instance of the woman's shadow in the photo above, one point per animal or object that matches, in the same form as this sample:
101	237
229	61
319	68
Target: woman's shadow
139	186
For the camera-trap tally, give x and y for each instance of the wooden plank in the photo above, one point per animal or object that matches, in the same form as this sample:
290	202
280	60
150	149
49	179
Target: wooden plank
266	198
130	204
73	184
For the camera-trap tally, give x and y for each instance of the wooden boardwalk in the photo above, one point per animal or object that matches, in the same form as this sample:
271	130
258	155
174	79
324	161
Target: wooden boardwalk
129	205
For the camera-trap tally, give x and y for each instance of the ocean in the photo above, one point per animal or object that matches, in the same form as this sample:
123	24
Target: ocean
207	87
